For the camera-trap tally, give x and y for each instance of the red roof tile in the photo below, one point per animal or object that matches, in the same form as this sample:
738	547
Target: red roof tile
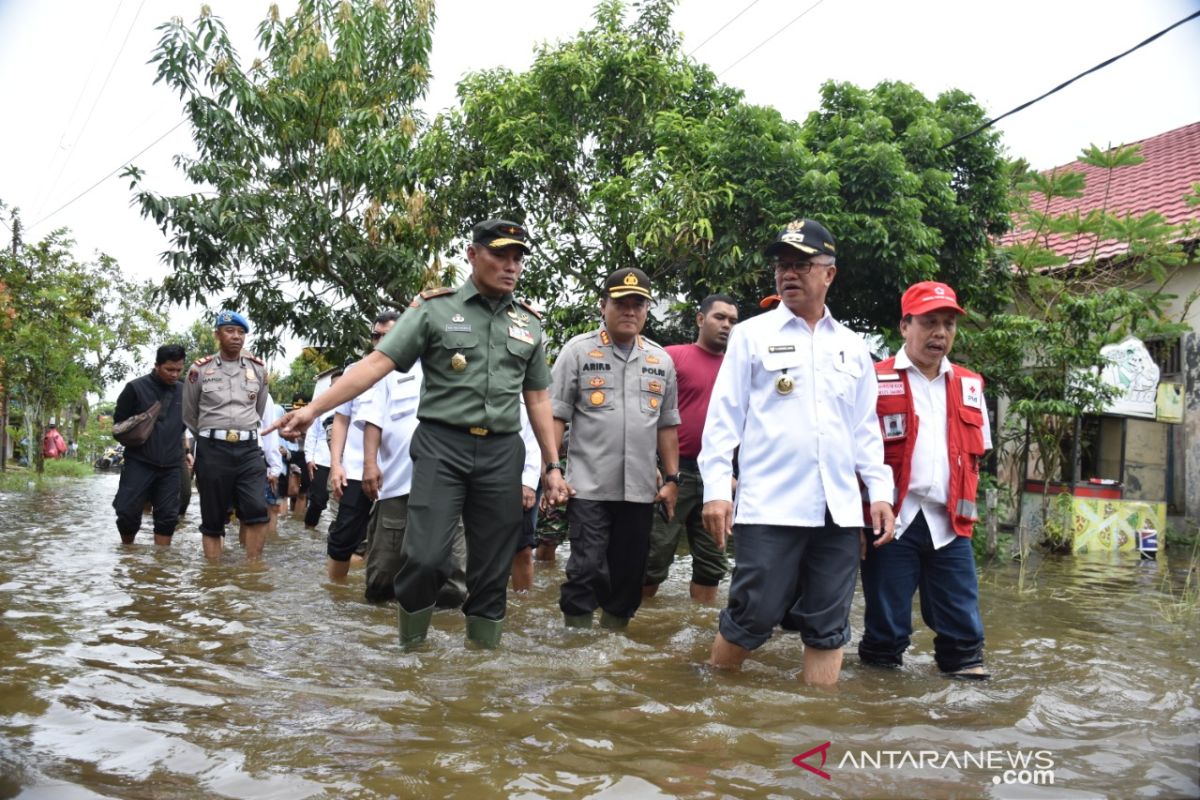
1171	166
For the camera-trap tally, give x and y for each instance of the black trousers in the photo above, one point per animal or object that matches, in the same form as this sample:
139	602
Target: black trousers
141	482
349	529
610	540
318	496
229	475
477	478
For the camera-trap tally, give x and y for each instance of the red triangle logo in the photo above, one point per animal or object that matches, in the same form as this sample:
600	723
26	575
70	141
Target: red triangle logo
823	749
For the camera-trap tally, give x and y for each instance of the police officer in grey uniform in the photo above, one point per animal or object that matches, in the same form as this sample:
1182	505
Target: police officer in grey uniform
617	390
223	404
480	349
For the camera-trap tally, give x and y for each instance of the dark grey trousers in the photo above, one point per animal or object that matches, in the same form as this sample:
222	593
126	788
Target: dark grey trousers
477	478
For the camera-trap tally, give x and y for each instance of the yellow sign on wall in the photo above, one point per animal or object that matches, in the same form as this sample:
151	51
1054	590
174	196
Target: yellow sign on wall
1170	402
1104	525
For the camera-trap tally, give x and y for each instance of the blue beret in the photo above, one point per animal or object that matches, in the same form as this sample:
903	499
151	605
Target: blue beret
227	317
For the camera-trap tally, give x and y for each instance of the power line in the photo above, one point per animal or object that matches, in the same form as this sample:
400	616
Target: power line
106	177
78	100
1065	84
99	94
769	38
723	27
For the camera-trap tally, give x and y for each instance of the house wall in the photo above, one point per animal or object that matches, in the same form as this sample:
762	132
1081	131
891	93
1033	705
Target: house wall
1185	437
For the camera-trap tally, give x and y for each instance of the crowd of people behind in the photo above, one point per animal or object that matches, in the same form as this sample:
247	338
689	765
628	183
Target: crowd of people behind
445	441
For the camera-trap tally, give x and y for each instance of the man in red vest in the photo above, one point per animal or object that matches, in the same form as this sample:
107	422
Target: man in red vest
935	431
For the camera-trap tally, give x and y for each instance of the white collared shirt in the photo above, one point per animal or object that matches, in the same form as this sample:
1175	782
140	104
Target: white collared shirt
800	450
270	442
929	473
352	453
393	409
316	440
531	473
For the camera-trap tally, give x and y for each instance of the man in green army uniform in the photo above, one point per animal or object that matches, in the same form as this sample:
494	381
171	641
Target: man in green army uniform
480	349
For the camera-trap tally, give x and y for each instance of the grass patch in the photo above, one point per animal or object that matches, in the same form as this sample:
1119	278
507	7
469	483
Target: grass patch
17	478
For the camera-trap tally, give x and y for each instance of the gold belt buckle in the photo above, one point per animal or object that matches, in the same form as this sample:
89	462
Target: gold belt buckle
232	436
477	431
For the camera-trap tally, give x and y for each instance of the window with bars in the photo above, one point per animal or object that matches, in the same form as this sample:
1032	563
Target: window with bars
1167	355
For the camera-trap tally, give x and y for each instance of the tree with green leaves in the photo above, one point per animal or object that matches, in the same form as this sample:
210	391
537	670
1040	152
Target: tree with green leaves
620	151
307	198
1043	352
301	378
45	342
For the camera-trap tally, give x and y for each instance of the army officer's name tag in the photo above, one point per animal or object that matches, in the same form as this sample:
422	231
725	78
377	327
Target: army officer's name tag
521	334
458	327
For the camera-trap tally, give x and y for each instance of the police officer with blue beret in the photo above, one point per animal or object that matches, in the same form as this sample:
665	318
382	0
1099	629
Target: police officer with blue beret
223	404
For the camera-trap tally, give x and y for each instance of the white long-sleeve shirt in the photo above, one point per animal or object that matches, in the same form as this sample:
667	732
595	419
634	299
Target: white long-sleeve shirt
270	442
800	450
929	474
393	409
316	440
531	473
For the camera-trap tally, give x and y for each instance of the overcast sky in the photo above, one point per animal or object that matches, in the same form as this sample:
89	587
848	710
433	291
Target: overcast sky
78	99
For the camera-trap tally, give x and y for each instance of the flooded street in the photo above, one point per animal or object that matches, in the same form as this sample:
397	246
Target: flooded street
144	672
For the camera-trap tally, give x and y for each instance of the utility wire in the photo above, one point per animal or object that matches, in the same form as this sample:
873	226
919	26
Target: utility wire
769	38
723	27
78	100
106	177
99	95
1065	84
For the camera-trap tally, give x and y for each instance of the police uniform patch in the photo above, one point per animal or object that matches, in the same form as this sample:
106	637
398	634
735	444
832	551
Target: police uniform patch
604	338
653	360
597	398
894	426
596	381
656	387
193	376
654	402
596	353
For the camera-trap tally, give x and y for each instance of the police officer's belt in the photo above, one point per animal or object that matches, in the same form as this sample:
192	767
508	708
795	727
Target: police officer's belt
229	436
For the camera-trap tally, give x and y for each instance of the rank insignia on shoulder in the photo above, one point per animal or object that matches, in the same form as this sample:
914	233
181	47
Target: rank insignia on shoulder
604	338
441	291
255	359
530	307
200	362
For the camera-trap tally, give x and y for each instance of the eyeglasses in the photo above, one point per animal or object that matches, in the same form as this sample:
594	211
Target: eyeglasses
799	267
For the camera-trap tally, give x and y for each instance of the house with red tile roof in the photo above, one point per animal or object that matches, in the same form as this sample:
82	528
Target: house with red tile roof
1155	461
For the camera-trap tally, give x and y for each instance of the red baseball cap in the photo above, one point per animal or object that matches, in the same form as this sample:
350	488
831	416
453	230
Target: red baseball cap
926	296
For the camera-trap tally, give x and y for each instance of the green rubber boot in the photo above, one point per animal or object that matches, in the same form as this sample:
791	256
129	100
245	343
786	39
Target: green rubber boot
581	621
484	632
413	627
613	622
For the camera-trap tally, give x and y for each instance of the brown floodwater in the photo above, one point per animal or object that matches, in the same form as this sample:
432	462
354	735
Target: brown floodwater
144	672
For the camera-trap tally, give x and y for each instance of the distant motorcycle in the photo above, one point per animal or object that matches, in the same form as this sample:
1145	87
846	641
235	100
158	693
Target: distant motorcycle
113	458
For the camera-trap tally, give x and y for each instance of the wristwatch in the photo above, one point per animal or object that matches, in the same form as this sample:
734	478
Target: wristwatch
555	465
672	478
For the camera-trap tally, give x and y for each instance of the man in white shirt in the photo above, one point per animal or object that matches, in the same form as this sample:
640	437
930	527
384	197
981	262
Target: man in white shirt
387	424
349	529
316	456
935	432
795	397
